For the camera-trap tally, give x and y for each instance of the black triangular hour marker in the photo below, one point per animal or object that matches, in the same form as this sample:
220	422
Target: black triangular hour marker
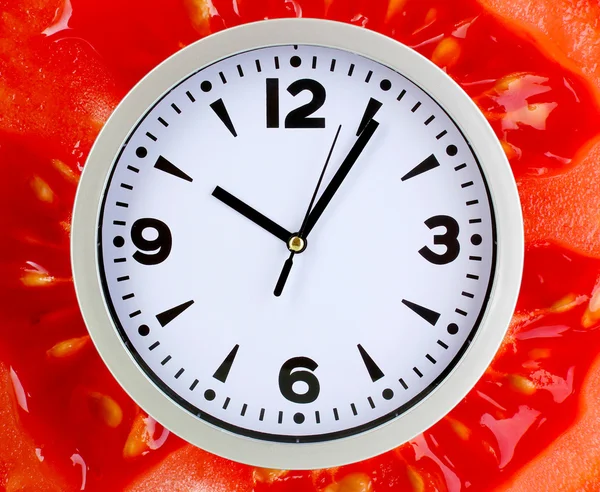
169	315
163	164
374	371
221	111
427	164
223	371
372	108
427	314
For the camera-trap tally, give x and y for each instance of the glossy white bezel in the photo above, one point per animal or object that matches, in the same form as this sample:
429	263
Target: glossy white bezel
503	294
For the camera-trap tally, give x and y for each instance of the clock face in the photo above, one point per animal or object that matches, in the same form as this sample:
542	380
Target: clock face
268	321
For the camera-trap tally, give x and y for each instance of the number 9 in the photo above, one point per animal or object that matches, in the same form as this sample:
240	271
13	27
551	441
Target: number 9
161	246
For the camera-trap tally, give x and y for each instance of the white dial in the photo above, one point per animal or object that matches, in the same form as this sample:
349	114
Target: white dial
389	289
296	243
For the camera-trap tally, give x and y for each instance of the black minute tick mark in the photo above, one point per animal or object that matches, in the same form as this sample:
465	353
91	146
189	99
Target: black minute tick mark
314	62
442	344
368	77
226	403
223	79
151	137
332	67
351	70
401	95
404	385
163	122
416	106
190	96
417	372
460	166
133	169
276	59
154	345
429	120
194	384
119	222
176	108
441	134
258	67
240	71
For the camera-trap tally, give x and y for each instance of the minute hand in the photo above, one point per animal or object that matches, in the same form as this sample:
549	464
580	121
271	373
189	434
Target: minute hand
340	175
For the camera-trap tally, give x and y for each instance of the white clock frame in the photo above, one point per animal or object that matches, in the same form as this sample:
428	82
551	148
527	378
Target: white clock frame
509	253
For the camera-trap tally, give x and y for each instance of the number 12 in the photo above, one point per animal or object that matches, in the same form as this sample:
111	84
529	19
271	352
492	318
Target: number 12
299	117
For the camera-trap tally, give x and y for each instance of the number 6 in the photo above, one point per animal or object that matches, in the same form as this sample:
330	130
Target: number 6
288	375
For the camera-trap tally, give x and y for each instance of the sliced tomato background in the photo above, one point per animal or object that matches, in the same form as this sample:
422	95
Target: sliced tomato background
566	30
529	424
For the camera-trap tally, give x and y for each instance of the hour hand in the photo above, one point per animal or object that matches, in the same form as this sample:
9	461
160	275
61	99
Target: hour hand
252	214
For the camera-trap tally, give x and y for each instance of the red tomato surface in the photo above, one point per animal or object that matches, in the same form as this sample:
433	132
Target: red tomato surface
531	421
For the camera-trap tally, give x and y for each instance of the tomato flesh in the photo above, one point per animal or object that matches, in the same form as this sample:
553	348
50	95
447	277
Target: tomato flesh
62	74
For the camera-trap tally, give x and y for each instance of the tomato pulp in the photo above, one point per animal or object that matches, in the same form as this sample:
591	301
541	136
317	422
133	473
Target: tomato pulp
66	423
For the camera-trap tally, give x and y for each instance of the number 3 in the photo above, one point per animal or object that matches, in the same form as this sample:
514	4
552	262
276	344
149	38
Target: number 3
449	239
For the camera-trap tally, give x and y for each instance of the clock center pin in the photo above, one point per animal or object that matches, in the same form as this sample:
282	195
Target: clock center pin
296	244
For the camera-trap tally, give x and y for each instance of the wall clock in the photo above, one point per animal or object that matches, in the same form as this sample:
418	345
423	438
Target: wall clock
297	243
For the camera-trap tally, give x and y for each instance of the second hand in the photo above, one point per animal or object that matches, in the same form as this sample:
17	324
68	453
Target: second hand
297	242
